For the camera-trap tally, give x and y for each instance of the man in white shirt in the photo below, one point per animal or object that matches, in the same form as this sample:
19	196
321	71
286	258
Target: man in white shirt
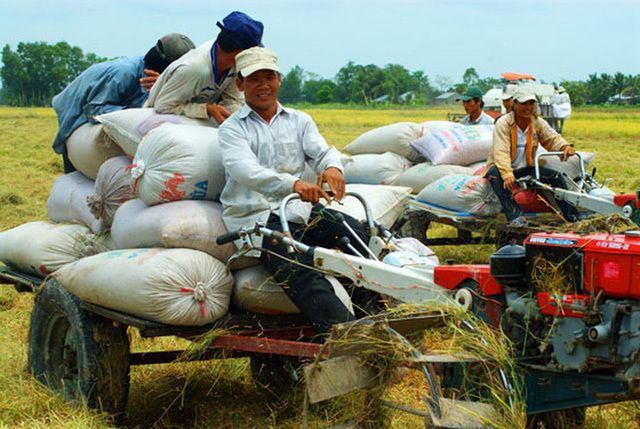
264	149
473	104
202	83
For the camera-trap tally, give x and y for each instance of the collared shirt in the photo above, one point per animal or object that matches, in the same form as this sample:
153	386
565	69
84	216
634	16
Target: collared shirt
520	160
102	88
189	84
483	119
263	161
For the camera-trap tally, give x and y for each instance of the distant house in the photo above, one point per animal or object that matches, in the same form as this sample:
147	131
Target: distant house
447	98
383	99
407	97
619	99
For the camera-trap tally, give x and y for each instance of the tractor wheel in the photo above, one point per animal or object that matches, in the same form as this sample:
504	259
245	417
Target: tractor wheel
78	354
275	374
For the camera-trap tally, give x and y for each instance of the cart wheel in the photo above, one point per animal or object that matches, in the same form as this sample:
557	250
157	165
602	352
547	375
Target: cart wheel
565	419
275	374
77	353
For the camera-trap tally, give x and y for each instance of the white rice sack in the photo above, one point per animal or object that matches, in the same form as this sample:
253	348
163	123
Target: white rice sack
40	248
571	167
420	175
178	162
431	127
88	147
189	224
68	201
254	290
394	138
111	190
127	127
172	286
375	169
411	244
462	145
386	202
462	193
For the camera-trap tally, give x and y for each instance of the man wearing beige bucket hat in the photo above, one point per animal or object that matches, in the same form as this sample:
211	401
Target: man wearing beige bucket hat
265	148
515	141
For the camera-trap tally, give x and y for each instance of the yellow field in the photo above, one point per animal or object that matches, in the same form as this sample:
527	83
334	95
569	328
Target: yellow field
220	394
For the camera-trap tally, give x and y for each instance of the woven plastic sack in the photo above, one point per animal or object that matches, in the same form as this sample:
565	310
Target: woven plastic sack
127	127
40	248
374	169
88	147
386	202
431	127
461	145
188	224
171	286
420	175
111	190
571	167
68	201
178	162
463	194
394	138
254	290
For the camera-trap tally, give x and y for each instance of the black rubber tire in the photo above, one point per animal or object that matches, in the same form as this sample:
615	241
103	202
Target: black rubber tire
275	374
77	353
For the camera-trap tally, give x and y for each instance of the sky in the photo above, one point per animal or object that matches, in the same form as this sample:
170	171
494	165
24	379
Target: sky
553	40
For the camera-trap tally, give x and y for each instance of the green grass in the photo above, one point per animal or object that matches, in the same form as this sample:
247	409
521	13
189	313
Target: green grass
221	394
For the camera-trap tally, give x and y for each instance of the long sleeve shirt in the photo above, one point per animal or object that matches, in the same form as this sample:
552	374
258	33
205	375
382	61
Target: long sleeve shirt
102	88
483	119
263	161
504	148
189	84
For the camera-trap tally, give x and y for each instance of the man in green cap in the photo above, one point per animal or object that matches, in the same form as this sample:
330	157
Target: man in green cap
473	104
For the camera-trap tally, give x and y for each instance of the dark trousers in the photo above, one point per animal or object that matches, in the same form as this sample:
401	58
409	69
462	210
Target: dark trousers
511	208
309	290
68	166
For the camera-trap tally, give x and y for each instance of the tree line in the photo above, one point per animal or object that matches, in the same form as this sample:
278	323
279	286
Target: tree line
36	71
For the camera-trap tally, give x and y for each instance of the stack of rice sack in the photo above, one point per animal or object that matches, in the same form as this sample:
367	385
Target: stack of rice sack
442	162
420	156
138	234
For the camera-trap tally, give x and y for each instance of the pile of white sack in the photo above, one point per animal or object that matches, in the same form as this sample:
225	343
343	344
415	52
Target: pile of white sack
134	228
442	162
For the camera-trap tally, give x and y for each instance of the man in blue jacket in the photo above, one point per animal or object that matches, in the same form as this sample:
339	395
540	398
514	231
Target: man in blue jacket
110	86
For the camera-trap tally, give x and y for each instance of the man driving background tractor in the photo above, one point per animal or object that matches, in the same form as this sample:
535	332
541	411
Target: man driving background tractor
515	141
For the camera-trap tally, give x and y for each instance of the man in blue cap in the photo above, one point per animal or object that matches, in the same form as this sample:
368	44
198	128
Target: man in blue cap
473	104
110	86
202	83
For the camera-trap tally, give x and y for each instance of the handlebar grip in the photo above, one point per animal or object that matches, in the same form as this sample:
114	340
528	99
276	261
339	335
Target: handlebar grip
227	237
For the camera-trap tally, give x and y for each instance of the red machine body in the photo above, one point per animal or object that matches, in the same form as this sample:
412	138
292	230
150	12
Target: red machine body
611	261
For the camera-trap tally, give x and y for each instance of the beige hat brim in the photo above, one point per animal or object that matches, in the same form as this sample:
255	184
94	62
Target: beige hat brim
265	65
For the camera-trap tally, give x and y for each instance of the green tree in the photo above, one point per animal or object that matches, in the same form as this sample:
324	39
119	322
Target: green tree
37	71
633	87
470	76
291	89
325	94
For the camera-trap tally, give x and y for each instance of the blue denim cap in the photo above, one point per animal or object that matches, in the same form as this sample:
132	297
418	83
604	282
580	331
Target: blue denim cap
246	31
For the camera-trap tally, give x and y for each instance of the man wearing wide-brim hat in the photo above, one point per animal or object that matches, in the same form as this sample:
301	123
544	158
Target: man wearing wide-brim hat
516	137
265	148
472	101
202	84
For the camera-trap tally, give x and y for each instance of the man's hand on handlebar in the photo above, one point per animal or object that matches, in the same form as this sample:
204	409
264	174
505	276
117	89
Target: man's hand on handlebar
568	151
335	180
309	192
509	182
